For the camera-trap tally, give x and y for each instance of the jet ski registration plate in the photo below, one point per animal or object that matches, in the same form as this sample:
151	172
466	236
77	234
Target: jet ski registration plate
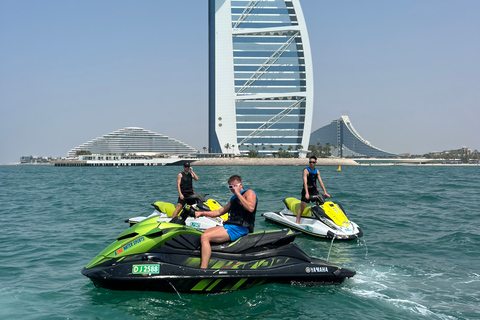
145	268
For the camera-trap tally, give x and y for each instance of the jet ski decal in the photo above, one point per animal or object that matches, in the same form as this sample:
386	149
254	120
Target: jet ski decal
129	245
316	269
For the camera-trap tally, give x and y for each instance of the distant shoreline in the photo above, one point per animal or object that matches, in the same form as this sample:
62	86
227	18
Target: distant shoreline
272	162
276	162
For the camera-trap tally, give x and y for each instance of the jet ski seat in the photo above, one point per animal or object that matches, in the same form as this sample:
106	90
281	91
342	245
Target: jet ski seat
293	204
165	207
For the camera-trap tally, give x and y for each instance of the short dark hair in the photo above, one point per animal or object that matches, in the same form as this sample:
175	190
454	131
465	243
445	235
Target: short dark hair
313	157
235	177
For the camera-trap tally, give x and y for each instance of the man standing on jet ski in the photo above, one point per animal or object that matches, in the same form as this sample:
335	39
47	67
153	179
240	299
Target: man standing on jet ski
310	176
184	186
241	219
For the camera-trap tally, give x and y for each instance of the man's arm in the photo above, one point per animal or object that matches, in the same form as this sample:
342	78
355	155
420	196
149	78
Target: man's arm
305	179
214	213
179	180
322	185
305	183
247	200
194	176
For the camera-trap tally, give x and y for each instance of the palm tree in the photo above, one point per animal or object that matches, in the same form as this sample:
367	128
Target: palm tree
227	146
327	149
204	149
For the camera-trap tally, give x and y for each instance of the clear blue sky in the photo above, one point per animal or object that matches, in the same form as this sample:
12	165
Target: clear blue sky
406	72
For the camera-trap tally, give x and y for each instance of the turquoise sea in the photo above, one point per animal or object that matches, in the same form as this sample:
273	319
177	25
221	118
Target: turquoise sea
419	257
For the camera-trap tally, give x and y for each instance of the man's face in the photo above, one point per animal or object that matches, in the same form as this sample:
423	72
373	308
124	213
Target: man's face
233	185
312	163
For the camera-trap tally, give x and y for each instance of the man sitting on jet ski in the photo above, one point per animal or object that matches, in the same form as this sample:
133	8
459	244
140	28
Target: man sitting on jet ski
241	218
310	176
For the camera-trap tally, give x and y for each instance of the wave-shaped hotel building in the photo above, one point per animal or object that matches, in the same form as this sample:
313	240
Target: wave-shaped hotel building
260	76
345	140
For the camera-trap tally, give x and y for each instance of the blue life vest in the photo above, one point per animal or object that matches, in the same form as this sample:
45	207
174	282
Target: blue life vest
312	178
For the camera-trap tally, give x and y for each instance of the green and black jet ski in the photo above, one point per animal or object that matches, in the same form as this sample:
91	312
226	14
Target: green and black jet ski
165	256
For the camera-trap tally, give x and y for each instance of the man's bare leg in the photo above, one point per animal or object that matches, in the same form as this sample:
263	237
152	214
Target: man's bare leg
215	234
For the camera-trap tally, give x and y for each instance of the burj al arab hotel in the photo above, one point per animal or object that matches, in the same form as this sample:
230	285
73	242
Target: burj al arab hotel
260	76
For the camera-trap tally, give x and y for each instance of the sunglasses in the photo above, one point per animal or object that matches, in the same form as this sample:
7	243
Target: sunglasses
186	166
234	185
312	162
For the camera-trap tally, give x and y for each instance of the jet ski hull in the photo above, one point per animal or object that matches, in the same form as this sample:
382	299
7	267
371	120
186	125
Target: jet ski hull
166	258
313	227
168	277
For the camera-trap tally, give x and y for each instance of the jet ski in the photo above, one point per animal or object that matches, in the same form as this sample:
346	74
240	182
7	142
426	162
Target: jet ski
164	210
153	256
325	220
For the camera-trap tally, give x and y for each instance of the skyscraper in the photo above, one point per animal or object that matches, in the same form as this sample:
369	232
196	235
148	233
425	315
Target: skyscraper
260	76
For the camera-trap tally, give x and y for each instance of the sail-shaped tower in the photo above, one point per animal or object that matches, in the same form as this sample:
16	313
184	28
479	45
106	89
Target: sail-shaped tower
260	76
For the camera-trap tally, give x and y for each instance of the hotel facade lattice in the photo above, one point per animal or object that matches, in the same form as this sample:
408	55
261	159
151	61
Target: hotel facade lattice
260	76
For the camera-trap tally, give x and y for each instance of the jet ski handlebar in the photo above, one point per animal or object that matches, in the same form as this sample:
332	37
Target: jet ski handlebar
197	197
318	198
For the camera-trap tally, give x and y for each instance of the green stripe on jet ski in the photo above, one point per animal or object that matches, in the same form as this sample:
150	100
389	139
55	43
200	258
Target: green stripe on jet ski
214	284
219	264
202	284
238	284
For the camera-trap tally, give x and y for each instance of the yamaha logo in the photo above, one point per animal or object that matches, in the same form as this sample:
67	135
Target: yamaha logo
316	269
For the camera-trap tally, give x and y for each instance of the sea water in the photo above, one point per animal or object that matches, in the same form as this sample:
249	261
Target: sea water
419	257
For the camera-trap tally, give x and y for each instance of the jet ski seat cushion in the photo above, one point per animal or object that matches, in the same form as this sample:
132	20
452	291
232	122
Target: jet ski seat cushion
293	204
164	207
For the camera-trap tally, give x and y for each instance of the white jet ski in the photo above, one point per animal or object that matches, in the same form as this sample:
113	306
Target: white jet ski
325	220
164	211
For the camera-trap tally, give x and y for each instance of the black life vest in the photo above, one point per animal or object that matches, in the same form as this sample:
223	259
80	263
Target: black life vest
186	185
240	216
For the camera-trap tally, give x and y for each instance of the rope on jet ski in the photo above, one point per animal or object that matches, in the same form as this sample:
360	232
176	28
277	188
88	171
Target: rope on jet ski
331	245
263	234
178	293
366	247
